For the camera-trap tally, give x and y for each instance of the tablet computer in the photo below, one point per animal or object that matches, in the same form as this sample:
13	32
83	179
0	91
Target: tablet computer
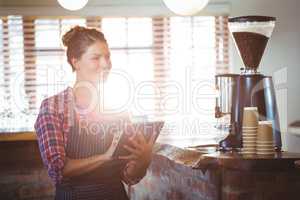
145	128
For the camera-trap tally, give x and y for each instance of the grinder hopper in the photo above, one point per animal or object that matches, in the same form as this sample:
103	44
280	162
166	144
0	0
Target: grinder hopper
251	35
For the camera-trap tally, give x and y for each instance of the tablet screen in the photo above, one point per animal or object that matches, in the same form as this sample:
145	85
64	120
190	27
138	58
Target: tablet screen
145	128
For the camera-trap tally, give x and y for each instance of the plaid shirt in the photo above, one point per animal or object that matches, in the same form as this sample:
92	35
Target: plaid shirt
52	127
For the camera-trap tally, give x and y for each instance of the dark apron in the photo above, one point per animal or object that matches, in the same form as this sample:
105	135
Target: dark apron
103	183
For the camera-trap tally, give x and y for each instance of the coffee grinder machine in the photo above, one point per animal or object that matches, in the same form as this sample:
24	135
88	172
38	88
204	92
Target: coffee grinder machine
249	88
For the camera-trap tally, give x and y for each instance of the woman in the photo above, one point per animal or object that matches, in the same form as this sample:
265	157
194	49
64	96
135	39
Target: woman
79	158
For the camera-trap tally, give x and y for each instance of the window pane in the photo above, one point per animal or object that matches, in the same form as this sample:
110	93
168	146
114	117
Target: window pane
54	74
140	67
47	33
139	32
16	60
131	69
115	31
13	101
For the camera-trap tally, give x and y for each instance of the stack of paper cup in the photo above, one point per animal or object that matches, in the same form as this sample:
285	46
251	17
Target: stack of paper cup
264	142
249	132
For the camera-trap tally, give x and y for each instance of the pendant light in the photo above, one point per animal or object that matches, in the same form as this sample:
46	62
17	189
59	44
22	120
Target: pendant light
185	7
72	4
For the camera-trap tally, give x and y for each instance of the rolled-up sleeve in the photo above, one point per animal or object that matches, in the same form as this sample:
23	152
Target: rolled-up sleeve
49	131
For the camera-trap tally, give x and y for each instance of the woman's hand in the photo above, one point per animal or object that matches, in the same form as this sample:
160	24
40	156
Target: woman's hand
141	152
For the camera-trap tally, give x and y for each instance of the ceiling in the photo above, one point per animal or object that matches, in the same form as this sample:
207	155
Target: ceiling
90	3
107	8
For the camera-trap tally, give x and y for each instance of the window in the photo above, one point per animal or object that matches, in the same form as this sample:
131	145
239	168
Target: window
130	41
165	61
194	49
12	72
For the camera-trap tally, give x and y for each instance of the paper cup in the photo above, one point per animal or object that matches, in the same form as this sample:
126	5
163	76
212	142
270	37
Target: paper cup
264	147
265	153
253	148
249	137
265	142
250	117
249	141
249	152
265	150
265	131
250	147
249	133
252	139
249	128
252	144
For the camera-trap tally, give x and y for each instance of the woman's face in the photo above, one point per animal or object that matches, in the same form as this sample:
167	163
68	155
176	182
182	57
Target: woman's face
95	63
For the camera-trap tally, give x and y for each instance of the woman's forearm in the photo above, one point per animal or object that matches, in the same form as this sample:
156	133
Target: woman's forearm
76	167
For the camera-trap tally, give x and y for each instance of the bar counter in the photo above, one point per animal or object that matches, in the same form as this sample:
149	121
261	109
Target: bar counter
177	173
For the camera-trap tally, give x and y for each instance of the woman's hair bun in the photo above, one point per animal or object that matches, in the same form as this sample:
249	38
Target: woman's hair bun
68	36
78	39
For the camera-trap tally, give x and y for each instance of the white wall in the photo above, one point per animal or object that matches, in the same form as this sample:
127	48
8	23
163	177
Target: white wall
283	51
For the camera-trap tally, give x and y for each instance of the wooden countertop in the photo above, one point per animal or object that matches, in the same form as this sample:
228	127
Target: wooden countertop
18	136
233	160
